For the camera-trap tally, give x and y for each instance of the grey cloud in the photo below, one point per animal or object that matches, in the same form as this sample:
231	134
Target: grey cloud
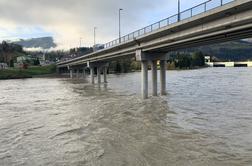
83	15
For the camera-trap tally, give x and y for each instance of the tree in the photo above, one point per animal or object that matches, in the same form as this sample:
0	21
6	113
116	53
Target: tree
36	62
183	61
198	59
11	63
9	52
5	46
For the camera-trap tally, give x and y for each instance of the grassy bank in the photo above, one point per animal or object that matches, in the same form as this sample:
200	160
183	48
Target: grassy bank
16	73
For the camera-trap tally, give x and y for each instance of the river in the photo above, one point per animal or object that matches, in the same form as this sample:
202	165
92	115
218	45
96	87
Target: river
205	120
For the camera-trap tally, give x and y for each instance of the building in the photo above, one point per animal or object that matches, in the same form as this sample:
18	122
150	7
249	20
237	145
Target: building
227	64
3	66
24	59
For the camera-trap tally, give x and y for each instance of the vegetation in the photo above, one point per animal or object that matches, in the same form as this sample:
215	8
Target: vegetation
9	52
187	61
124	65
13	74
52	56
229	51
27	66
16	73
177	61
40	70
81	51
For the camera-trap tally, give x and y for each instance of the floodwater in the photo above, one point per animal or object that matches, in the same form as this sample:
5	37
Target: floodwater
205	120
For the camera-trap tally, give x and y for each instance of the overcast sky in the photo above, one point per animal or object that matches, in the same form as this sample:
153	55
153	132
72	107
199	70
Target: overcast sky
69	20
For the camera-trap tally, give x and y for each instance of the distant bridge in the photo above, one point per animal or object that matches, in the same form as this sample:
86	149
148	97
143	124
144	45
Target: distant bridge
214	21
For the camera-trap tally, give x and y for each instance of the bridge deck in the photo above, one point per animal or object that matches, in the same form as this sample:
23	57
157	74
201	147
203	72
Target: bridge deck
227	22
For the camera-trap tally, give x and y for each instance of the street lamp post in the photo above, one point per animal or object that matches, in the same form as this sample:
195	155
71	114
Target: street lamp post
120	25
80	41
179	10
95	36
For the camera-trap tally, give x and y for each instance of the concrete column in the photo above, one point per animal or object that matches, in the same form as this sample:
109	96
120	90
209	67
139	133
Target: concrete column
92	75
105	74
154	77
71	73
58	70
163	76
77	73
99	74
144	65
84	73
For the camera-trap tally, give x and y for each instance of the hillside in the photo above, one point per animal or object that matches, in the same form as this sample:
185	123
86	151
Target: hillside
240	50
9	52
43	42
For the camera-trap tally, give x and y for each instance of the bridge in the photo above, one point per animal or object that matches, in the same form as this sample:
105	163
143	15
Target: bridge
213	21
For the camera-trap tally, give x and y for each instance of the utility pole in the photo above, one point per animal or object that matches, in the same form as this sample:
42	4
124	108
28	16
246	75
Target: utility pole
120	25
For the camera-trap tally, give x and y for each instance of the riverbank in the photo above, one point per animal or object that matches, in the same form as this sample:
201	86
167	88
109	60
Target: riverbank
33	71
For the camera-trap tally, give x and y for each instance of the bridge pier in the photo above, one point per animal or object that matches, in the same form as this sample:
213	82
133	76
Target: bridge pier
77	73
144	66
84	73
99	75
153	57
92	75
71	73
105	71
101	66
154	77
163	65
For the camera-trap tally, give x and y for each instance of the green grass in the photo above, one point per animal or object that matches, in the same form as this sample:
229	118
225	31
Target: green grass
41	70
16	73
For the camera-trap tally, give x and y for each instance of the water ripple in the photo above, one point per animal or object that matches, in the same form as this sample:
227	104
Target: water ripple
205	119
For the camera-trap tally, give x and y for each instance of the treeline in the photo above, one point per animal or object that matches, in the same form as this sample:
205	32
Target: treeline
9	52
81	51
186	60
52	56
124	65
229	51
177	61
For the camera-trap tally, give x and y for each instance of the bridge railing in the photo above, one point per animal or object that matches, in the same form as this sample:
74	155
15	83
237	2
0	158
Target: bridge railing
199	9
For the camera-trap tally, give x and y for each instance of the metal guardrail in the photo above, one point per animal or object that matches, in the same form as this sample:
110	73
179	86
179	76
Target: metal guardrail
199	9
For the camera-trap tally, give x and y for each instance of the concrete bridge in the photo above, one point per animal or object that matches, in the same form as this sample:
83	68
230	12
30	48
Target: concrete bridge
214	21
